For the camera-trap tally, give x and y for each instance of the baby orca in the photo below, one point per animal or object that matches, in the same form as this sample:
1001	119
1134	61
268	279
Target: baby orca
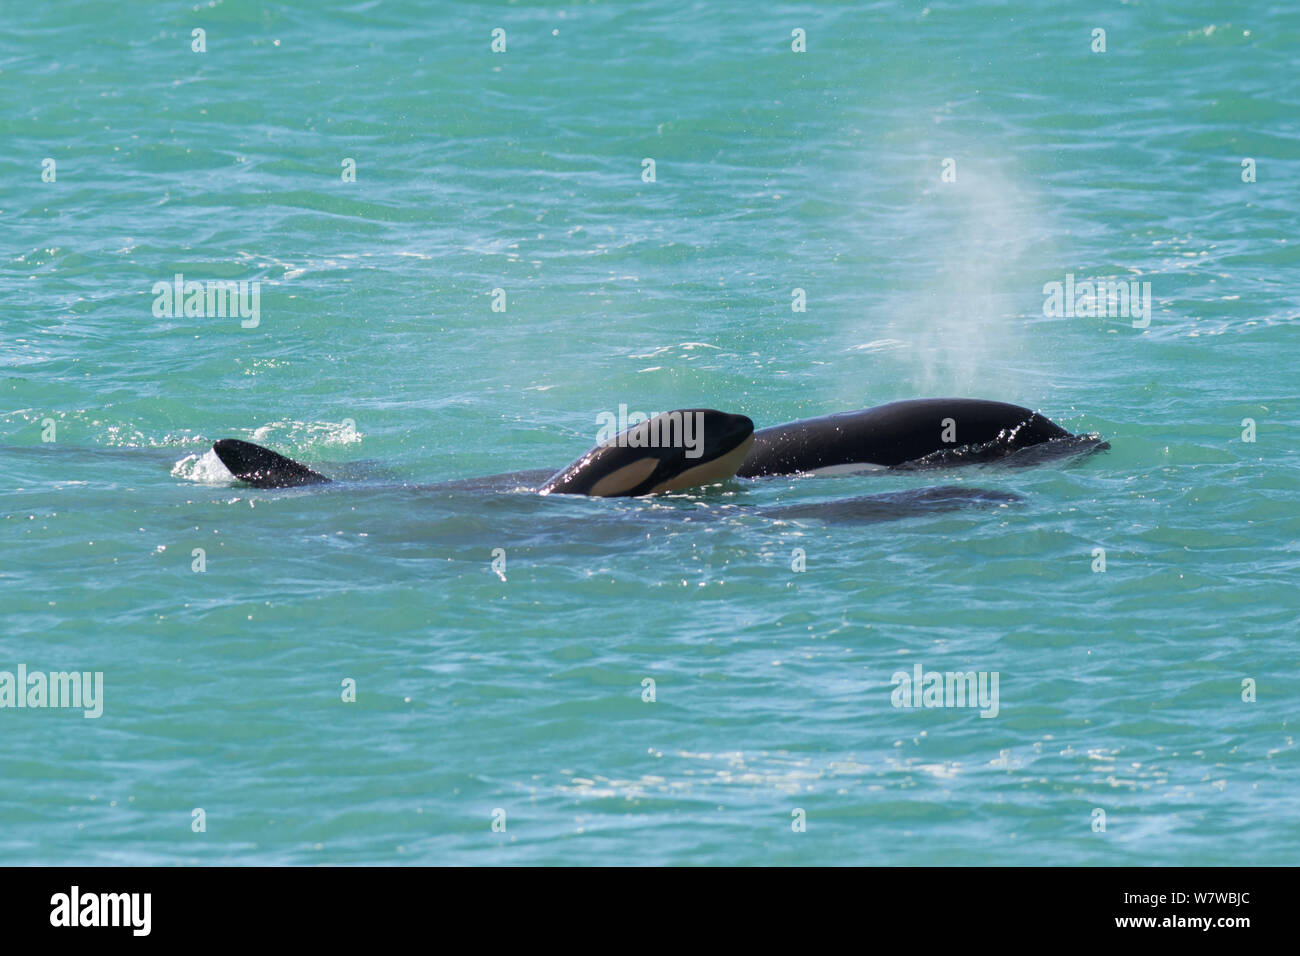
674	450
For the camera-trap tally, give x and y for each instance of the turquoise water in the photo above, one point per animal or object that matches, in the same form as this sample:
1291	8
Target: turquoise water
378	355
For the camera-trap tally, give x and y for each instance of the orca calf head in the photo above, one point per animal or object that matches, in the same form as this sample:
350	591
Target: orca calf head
674	450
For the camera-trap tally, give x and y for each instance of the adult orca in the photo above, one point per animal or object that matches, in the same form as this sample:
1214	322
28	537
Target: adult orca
674	450
915	433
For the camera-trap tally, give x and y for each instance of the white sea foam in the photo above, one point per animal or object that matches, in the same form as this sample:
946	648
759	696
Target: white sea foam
300	434
205	469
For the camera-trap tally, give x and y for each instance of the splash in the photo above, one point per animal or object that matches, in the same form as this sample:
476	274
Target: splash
205	469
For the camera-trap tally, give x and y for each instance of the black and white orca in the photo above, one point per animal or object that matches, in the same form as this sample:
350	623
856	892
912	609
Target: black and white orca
916	433
669	452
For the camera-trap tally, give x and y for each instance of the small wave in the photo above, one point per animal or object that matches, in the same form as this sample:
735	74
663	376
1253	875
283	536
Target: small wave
306	434
128	436
1003	450
879	345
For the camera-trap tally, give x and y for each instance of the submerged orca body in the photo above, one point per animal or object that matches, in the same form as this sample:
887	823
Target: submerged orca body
674	450
929	432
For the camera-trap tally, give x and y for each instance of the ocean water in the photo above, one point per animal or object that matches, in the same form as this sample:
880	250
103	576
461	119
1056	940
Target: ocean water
921	171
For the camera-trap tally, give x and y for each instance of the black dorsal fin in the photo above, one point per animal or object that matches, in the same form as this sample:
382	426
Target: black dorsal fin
263	468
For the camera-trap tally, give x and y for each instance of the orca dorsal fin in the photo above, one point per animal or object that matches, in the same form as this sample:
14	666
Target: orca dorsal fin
263	468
